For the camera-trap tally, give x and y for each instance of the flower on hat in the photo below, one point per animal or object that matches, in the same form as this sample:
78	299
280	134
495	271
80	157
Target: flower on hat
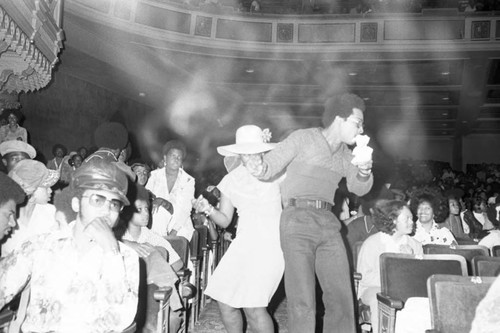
266	135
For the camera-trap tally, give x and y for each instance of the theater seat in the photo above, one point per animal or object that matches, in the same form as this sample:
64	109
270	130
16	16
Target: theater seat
181	246
495	251
466	251
454	300
486	266
403	276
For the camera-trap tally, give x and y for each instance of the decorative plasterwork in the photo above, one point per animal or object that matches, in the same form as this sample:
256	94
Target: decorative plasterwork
369	32
480	30
28	52
285	32
203	26
169	22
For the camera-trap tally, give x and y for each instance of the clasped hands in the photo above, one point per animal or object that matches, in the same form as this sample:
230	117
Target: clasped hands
201	205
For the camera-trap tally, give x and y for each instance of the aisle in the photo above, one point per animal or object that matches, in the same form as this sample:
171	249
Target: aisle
210	321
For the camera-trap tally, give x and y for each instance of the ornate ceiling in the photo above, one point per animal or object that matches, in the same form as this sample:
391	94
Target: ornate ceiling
423	75
30	40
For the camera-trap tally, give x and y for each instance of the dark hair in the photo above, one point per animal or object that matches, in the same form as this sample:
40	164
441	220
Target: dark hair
62	201
71	161
385	212
174	144
341	105
212	194
476	202
135	192
57	146
10	190
434	197
86	151
15	112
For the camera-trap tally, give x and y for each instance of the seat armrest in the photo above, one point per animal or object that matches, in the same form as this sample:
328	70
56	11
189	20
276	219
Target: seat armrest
390	302
6	315
162	294
184	273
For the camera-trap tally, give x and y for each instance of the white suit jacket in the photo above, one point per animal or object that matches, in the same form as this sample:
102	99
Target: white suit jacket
181	195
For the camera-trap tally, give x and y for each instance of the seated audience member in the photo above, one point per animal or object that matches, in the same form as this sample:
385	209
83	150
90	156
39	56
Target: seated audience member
493	212
75	161
83	152
70	163
431	208
477	219
11	194
454	222
487	318
81	278
174	189
361	227
132	230
13	131
14	151
64	212
59	151
394	222
36	216
142	171
111	138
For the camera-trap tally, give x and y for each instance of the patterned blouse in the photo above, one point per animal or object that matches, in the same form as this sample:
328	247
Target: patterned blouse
441	236
70	291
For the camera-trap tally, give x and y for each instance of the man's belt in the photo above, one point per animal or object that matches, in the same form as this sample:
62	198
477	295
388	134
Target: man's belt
308	203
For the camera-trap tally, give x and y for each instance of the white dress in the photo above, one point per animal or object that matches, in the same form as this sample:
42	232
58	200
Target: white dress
250	271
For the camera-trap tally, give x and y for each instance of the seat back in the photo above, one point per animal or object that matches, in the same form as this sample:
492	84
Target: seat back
466	241
355	253
181	246
454	300
466	251
203	236
495	251
405	275
486	266
194	246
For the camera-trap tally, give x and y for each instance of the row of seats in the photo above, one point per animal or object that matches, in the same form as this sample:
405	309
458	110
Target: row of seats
404	276
453	293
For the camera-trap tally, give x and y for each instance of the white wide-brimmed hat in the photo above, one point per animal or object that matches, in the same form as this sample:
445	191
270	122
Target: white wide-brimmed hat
250	139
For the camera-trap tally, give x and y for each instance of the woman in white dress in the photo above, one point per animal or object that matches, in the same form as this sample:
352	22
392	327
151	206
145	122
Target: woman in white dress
250	271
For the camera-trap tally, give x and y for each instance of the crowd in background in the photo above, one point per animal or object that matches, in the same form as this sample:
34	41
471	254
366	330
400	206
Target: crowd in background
433	203
352	7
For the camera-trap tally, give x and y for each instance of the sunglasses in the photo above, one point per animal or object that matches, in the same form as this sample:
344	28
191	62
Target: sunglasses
97	200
